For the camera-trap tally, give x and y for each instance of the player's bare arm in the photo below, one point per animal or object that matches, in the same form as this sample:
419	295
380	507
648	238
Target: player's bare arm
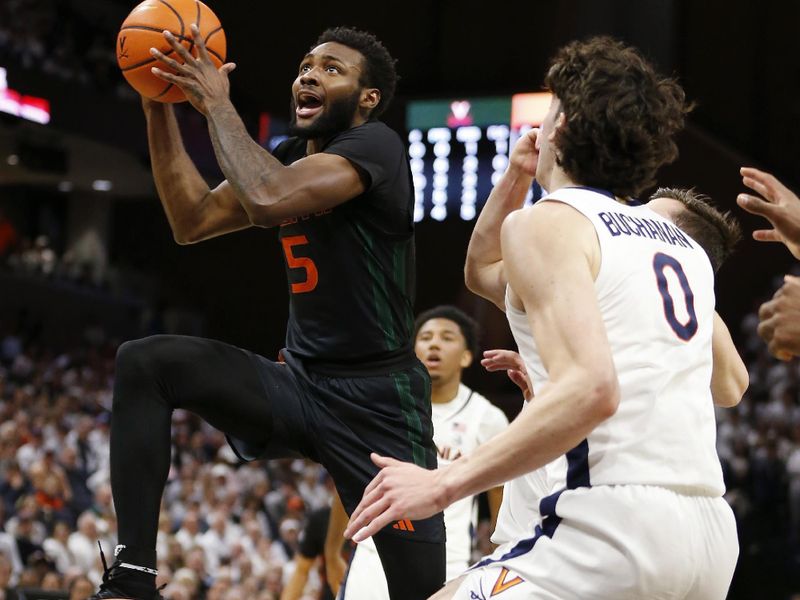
729	377
483	270
335	565
194	211
583	390
779	206
268	191
297	583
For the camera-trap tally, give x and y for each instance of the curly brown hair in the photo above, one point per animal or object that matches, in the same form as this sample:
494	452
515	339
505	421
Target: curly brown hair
717	232
621	116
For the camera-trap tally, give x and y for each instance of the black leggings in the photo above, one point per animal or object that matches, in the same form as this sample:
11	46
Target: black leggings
221	384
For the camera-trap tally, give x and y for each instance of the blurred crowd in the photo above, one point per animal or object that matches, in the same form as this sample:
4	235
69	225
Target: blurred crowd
228	531
759	446
62	42
37	256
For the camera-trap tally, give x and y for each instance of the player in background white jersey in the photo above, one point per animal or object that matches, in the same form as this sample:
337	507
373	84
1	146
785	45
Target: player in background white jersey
612	311
446	341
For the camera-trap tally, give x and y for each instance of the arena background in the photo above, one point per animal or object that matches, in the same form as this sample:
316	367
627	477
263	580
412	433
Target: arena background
95	262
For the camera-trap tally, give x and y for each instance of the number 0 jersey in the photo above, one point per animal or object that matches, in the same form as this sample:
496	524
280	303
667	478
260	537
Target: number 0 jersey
655	290
351	269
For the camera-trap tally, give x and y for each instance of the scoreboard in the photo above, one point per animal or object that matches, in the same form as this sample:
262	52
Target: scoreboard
459	148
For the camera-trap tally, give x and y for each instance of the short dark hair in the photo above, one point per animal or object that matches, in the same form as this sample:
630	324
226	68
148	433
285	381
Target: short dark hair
716	231
621	116
468	326
379	66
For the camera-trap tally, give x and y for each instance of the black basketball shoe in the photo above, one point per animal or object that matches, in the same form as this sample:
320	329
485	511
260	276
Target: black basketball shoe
126	582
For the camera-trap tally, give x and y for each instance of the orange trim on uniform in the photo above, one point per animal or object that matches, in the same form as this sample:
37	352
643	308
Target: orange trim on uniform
501	585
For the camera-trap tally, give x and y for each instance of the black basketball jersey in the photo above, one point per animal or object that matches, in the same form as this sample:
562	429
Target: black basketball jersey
351	269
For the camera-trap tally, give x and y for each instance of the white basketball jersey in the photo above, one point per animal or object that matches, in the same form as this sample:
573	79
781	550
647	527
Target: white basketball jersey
459	427
655	290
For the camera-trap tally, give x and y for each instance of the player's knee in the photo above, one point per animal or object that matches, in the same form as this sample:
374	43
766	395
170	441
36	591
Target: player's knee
139	360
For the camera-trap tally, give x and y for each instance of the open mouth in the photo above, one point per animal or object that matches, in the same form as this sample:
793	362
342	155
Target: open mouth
432	360
308	104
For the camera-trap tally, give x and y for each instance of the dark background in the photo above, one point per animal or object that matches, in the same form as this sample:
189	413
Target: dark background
737	59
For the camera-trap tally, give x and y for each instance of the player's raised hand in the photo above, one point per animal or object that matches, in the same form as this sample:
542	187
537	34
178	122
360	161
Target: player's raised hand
203	83
525	154
780	320
512	363
779	206
399	491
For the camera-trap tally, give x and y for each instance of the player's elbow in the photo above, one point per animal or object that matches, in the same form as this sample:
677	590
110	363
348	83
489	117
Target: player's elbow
269	208
485	281
182	238
471	278
731	394
262	216
604	396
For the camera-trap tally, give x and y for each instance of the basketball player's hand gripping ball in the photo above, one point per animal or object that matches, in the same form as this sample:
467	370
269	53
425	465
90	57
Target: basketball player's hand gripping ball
204	84
143	29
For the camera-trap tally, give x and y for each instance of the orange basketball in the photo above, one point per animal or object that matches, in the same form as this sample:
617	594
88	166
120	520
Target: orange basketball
143	29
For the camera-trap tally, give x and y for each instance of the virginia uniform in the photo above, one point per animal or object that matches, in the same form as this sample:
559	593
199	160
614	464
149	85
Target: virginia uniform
635	510
459	426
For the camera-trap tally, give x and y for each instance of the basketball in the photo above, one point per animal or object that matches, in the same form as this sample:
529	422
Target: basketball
143	29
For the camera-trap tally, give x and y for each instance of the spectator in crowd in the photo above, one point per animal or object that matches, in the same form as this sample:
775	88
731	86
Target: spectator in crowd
80	588
61	397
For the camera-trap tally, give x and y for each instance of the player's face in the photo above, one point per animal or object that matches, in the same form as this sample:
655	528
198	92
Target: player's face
544	143
327	91
441	347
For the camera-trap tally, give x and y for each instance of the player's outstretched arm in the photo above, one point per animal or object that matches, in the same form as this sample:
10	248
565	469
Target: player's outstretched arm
729	376
193	210
483	269
560	301
268	191
779	206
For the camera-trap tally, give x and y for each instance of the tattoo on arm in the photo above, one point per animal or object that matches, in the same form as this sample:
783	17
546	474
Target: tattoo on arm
246	165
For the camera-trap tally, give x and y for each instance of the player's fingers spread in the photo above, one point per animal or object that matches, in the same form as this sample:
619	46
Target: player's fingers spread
170	62
367	516
167	76
383	461
227	68
355	523
202	52
373	484
758	185
179	48
381	520
755	205
766	235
